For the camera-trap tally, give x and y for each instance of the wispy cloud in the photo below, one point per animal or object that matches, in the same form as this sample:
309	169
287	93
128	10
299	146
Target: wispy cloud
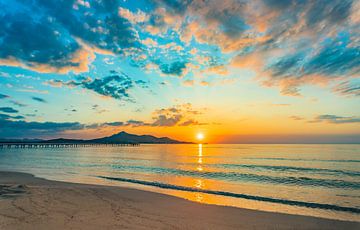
18	103
297	118
3	96
348	88
334	119
8	110
39	99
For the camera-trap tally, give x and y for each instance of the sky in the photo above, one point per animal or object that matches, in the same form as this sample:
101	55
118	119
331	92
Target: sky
260	71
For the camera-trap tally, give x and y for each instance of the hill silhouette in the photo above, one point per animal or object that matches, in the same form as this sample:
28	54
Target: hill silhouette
118	138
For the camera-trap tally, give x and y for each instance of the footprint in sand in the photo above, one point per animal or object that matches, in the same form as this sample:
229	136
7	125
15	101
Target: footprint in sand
10	191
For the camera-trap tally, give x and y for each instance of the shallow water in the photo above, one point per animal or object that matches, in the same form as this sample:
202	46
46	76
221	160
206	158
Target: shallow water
317	180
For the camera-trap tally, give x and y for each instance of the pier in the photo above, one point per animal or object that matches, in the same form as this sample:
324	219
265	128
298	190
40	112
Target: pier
62	145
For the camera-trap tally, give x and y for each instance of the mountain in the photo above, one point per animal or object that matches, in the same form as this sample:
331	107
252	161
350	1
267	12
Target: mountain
64	140
124	137
119	138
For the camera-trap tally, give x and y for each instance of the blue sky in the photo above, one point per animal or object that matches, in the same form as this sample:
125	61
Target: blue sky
83	69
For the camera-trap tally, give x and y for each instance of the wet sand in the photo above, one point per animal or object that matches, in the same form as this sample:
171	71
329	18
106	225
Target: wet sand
27	202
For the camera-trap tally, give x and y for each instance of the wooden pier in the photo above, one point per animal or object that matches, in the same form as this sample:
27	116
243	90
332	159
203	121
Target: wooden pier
61	145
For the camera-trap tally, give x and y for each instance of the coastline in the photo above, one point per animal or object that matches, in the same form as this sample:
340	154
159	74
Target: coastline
28	202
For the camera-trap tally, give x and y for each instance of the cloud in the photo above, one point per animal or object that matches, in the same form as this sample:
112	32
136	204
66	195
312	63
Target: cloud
136	123
8	110
137	17
296	118
348	88
39	99
181	114
163	120
3	96
32	90
188	83
21	129
178	115
18	103
98	109
287	43
10	117
175	68
63	38
191	122
17	127
279	104
116	123
333	119
116	86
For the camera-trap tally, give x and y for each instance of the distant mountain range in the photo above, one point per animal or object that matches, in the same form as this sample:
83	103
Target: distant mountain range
119	138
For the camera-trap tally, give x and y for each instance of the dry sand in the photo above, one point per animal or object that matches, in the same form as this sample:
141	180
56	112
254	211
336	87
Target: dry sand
27	202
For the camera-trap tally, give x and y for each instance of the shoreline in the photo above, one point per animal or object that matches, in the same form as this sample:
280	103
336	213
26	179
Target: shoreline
29	202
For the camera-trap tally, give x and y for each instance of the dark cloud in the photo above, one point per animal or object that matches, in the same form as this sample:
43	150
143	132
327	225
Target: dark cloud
163	120
177	6
98	109
9	117
136	123
279	4
19	129
142	83
335	11
8	110
175	68
3	96
116	86
56	31
336	58
39	99
348	88
116	123
18	103
287	65
45	47
336	119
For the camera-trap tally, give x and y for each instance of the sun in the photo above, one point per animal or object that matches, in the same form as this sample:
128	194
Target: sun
200	136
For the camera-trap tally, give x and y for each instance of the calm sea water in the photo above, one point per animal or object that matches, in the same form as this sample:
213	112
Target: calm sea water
316	180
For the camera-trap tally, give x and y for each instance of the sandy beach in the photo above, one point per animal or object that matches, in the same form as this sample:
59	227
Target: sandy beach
28	202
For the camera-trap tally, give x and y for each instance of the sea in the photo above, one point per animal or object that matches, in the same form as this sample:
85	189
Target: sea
309	179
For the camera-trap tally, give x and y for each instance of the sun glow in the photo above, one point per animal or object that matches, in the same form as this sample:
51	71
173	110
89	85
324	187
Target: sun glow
200	136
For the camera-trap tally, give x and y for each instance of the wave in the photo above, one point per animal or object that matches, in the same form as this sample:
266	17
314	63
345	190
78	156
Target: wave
247	177
301	159
237	195
291	168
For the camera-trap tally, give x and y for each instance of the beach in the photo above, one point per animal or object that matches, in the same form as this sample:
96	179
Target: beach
28	202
